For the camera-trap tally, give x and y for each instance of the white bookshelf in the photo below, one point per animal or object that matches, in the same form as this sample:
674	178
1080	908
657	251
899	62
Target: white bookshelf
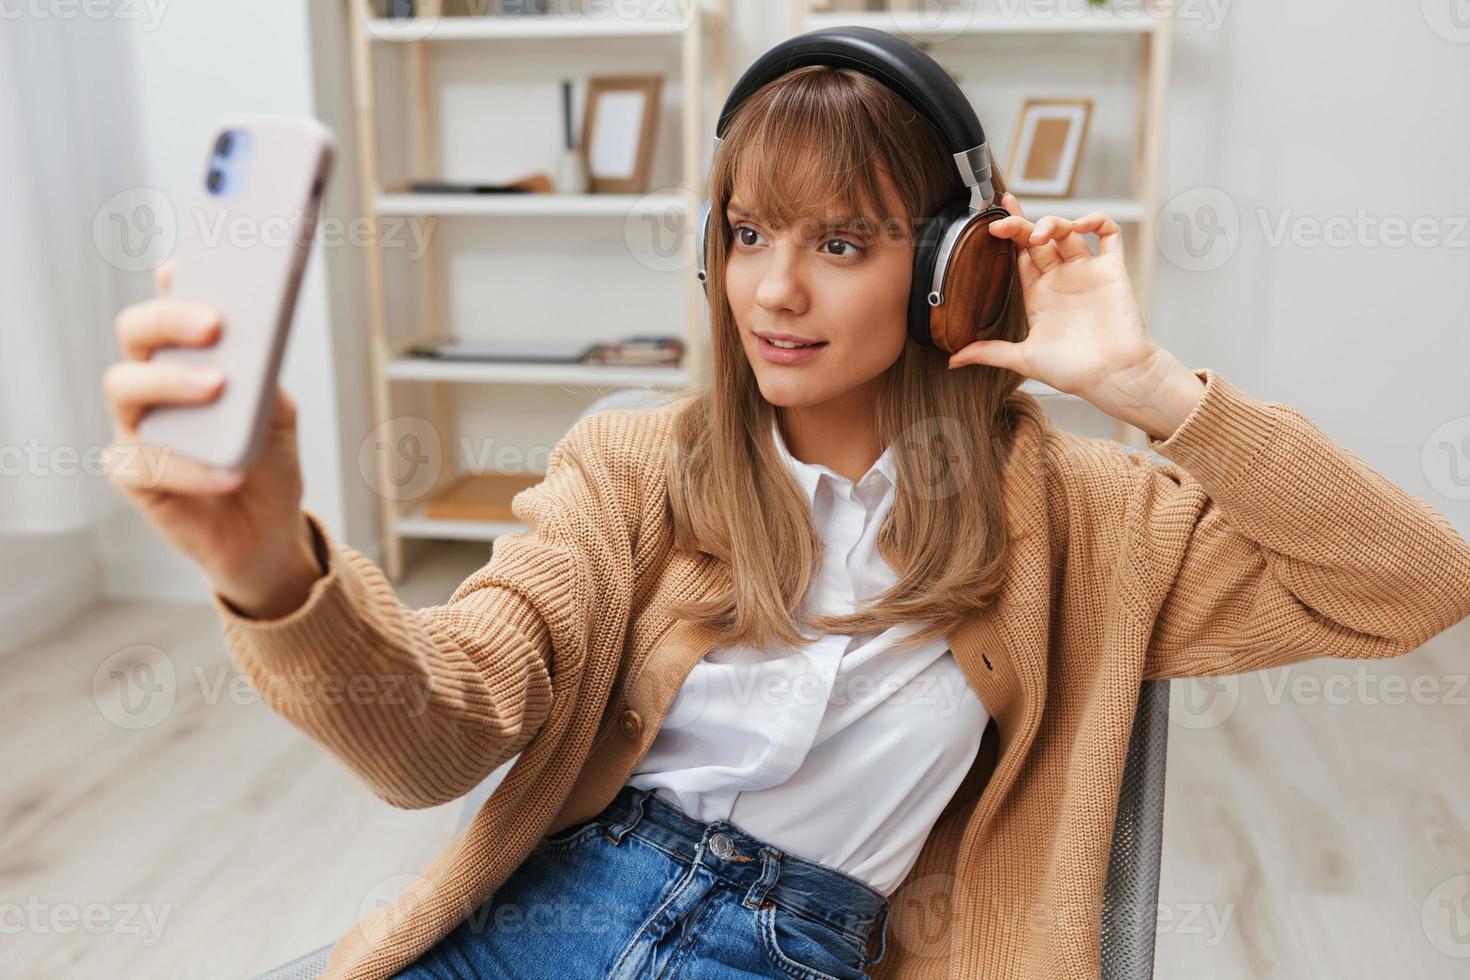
961	20
697	30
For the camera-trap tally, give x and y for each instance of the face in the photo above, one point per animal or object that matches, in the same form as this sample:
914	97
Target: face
843	285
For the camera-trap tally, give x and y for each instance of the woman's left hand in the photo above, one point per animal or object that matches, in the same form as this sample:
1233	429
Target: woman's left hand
1087	336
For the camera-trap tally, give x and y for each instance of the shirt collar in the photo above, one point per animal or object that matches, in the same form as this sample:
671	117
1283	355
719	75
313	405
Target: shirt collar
809	475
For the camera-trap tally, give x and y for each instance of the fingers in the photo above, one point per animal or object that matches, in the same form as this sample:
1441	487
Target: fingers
1019	230
163	276
135	467
1054	239
130	387
144	327
1109	235
1069	242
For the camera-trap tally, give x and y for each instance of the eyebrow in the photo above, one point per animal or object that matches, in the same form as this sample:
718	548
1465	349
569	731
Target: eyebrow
847	221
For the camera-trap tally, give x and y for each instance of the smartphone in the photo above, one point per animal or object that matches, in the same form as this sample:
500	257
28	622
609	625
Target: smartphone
243	245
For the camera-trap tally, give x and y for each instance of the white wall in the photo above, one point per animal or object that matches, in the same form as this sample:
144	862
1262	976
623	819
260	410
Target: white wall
200	62
1308	111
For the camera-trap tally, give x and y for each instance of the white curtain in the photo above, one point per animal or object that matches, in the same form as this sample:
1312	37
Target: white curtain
64	91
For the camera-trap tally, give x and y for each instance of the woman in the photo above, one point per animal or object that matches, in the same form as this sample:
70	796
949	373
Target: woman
678	645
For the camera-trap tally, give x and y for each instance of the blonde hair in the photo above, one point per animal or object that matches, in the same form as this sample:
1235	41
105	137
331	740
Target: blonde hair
810	137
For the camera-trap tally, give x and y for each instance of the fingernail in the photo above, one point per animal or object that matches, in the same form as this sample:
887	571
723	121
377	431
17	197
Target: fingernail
223	477
201	320
206	379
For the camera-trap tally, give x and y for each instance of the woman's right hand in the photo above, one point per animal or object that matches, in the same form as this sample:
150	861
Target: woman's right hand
245	529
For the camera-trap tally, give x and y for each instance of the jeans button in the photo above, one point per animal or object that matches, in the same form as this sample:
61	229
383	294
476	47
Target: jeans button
721	845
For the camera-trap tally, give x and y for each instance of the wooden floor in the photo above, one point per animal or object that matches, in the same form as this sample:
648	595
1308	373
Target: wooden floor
1311	831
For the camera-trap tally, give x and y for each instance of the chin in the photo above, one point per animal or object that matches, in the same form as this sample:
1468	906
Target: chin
791	391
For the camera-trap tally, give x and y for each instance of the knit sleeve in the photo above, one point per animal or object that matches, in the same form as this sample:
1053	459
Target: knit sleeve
423	704
1261	542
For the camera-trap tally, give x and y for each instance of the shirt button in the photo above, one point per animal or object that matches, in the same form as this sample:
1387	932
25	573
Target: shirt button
631	723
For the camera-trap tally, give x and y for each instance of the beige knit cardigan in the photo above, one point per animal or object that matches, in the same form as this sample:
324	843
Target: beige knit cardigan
1259	542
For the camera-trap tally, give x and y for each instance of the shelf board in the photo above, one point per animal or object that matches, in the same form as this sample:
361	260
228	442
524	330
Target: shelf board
530	205
416	525
969	22
1042	390
1121	209
494	372
533	27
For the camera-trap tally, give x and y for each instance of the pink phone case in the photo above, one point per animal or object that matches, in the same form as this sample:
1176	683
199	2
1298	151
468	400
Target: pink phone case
243	251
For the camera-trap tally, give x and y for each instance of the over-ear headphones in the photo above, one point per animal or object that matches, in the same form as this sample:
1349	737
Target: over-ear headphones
962	273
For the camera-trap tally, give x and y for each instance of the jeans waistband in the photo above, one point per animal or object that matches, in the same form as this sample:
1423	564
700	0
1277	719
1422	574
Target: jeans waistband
745	861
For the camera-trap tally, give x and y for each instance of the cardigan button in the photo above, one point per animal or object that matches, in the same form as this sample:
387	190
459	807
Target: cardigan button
631	723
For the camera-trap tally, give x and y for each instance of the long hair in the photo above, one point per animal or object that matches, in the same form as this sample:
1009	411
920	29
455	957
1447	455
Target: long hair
814	136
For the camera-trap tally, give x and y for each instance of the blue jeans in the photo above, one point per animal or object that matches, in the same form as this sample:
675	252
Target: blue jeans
644	890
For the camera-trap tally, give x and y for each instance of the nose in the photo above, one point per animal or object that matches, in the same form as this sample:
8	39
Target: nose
781	288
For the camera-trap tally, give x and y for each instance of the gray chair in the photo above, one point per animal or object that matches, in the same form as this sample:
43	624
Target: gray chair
1130	896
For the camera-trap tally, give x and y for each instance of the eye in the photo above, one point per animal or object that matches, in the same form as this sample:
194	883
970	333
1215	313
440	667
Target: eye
740	229
856	249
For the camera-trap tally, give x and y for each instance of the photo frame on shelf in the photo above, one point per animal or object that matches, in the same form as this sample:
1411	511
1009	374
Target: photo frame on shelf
1046	152
618	129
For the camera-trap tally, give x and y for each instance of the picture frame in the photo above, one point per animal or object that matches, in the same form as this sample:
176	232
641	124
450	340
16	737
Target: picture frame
1046	152
618	129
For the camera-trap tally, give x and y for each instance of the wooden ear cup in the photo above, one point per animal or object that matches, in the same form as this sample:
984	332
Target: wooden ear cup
977	286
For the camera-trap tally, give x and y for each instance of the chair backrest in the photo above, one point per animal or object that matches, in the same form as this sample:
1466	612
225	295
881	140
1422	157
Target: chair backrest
1131	893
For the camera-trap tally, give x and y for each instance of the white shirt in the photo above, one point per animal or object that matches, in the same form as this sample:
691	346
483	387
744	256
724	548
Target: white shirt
842	752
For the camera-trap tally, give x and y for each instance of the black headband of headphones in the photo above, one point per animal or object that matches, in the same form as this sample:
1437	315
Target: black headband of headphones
896	63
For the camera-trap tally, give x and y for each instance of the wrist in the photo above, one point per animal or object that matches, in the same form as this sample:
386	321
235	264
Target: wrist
1156	394
277	580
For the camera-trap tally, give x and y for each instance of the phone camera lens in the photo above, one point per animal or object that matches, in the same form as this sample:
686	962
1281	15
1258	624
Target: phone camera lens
223	145
216	177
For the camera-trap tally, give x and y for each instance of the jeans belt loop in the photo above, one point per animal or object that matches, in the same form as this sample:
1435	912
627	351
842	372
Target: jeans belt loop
770	871
882	934
618	831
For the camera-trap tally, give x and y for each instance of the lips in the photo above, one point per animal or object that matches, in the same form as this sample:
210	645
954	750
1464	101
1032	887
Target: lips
788	355
790	338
